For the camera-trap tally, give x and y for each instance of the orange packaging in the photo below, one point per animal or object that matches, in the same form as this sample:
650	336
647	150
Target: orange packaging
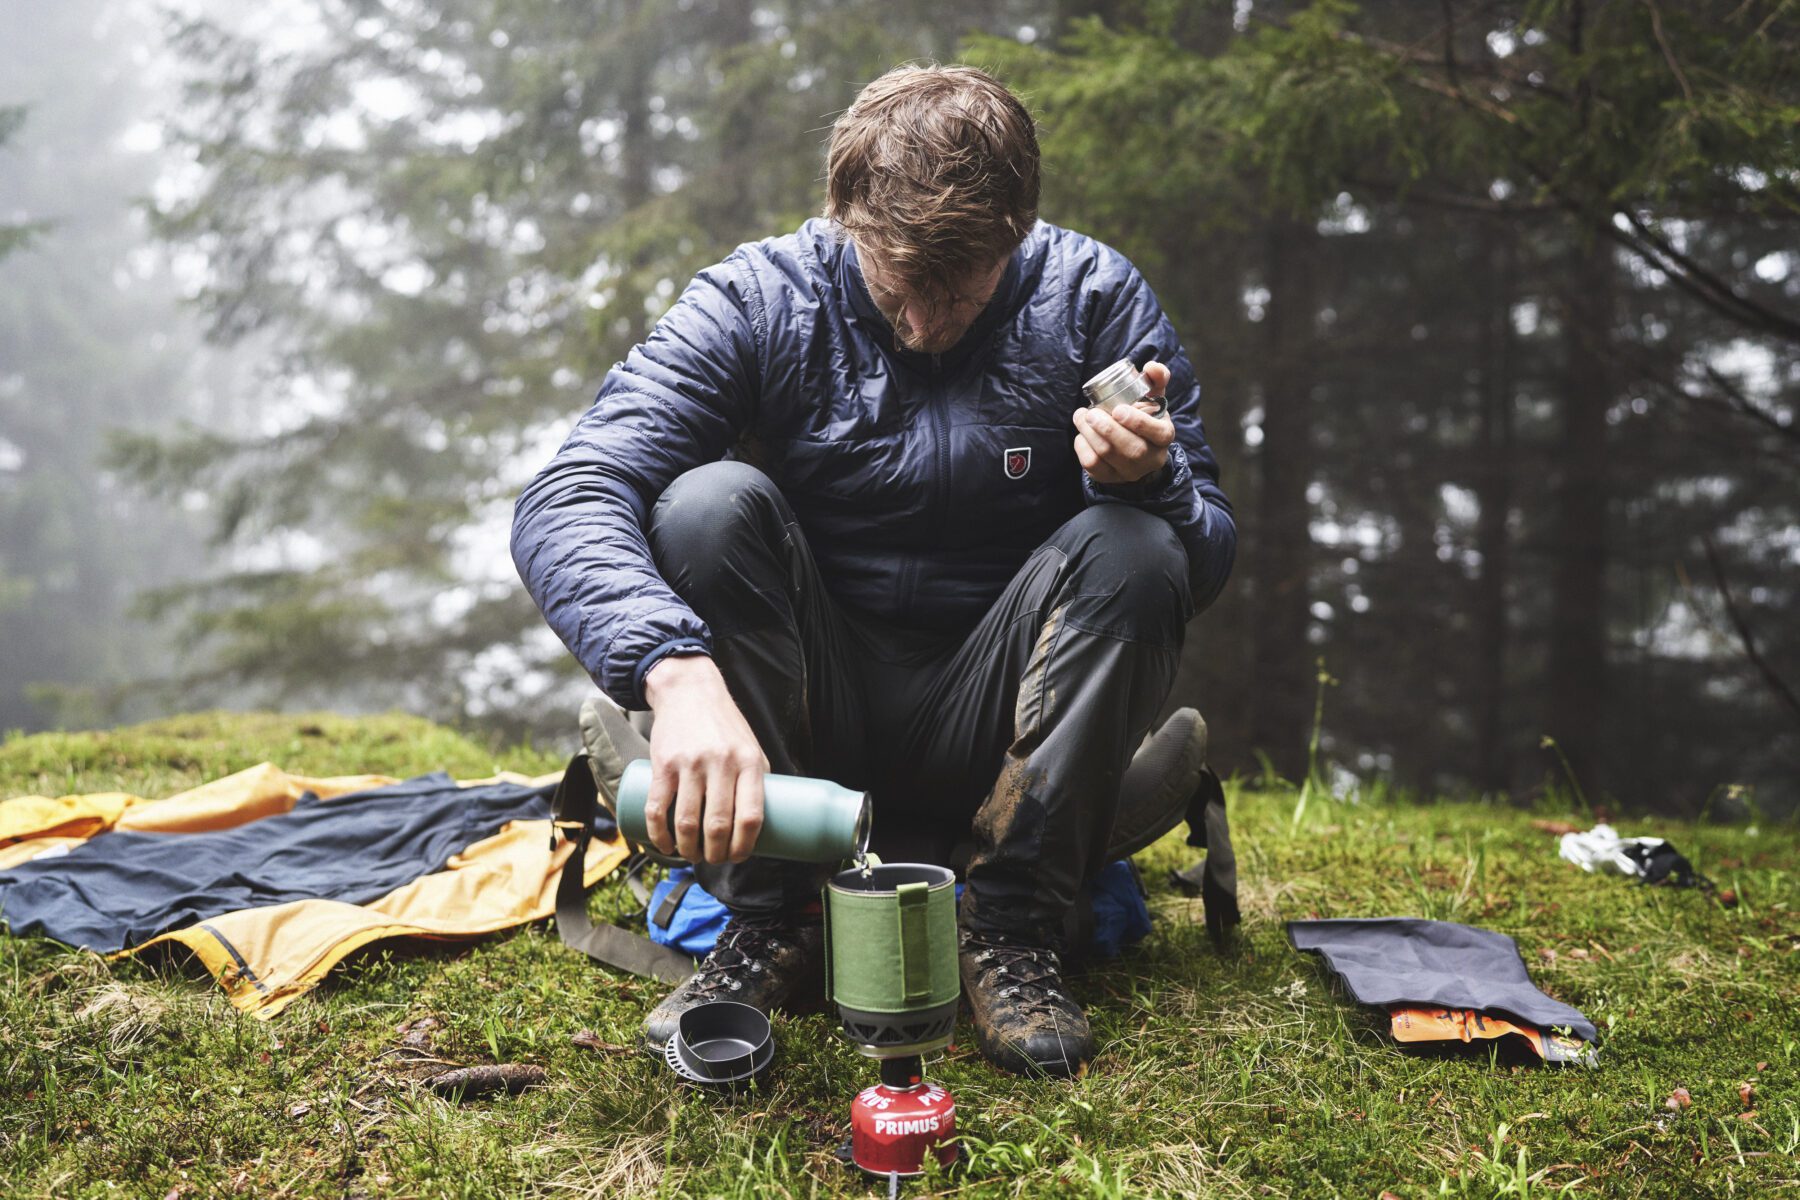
1468	1025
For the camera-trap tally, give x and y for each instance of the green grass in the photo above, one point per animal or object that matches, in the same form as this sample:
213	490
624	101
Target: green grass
1234	1075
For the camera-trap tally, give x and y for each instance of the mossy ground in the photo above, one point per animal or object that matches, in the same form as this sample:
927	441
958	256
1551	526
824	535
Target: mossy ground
1234	1075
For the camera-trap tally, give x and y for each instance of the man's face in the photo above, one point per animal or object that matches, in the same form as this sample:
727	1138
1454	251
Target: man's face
919	324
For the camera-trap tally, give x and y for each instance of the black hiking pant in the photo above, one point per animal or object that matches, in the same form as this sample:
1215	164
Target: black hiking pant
1012	736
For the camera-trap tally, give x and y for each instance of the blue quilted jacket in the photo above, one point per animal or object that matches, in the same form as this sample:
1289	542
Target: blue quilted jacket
922	482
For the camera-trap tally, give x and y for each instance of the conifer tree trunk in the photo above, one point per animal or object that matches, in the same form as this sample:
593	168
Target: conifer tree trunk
1217	673
1282	671
1577	667
728	207
1494	485
636	161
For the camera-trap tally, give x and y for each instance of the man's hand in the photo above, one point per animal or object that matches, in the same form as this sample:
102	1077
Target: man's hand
704	763
1127	444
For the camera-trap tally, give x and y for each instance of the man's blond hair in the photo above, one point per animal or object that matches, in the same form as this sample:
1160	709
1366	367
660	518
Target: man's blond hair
934	170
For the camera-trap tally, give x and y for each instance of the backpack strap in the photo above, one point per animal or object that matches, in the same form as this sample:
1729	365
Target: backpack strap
671	903
1213	878
575	805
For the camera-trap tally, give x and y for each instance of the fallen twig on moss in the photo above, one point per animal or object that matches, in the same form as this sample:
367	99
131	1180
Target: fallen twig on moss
468	1083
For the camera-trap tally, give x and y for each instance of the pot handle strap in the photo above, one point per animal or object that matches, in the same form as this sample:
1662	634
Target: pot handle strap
915	940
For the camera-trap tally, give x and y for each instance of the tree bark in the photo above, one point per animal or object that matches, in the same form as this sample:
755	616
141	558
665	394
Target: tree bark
636	162
1577	666
1494	488
1282	669
727	207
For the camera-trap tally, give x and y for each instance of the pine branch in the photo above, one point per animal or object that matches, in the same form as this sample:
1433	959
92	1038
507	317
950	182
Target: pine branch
1739	402
1668	54
1746	638
1435	70
1703	284
1457	201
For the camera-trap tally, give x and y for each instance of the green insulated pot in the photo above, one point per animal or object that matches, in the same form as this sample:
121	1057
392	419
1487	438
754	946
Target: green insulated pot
890	953
804	820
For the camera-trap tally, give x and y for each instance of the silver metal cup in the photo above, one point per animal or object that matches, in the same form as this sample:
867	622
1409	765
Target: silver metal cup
1119	384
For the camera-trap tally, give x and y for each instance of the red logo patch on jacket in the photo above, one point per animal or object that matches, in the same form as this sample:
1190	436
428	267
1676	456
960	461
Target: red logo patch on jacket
1018	461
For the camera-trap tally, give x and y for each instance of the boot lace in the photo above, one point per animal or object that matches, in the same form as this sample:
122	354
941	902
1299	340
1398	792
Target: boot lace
745	948
1030	976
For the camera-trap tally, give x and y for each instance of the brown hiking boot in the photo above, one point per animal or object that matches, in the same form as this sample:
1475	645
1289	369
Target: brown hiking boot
1025	1020
766	962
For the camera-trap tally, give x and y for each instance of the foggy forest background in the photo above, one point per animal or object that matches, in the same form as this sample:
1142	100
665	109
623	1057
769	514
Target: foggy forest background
1493	305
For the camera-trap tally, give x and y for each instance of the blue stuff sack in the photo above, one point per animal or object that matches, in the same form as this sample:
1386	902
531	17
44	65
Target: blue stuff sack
686	916
1121	918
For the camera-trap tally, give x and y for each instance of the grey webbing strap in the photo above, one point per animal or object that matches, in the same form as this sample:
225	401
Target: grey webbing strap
634	881
1215	876
671	903
576	803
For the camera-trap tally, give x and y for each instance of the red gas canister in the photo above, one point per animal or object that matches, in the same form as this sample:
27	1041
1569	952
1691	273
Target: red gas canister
892	1128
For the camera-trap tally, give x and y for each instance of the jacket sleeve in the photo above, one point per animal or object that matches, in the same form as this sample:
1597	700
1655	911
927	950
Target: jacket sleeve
1125	321
679	399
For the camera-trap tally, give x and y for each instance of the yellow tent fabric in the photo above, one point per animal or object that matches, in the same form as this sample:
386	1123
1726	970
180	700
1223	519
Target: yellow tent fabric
69	818
265	958
257	791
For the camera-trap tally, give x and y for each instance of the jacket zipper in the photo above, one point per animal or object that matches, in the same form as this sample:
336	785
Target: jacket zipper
941	427
934	510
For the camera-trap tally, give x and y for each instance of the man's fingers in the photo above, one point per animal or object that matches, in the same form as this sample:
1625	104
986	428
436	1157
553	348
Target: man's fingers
1157	376
1094	452
656	808
1155	430
1084	423
690	797
716	820
1096	467
749	822
1119	441
1084	453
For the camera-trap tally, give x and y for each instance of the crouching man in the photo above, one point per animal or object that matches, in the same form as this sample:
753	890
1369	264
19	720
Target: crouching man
845	514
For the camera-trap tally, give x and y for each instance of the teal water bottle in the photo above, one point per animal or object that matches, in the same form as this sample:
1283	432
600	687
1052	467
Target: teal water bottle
804	820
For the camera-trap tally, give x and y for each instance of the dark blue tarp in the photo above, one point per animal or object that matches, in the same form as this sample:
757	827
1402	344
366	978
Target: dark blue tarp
1407	960
121	889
